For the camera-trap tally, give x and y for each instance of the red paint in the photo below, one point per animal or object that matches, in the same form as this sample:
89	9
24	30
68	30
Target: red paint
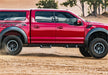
52	32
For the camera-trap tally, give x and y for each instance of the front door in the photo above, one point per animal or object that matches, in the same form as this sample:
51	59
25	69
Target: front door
67	30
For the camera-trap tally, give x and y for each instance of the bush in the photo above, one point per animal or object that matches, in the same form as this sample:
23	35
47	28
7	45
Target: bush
47	4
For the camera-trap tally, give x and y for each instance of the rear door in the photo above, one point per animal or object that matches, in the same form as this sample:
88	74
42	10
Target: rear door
42	27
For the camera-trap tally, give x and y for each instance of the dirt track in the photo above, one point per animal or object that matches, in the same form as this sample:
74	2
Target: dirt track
53	61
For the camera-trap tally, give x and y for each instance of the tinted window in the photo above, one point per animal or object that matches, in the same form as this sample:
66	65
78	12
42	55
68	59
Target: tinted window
64	17
21	16
44	17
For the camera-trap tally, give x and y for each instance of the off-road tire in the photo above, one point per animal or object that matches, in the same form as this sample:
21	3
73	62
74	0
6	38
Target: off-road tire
84	52
98	48
11	45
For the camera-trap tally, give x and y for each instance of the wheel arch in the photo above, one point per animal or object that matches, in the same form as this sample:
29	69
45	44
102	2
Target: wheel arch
13	29
95	30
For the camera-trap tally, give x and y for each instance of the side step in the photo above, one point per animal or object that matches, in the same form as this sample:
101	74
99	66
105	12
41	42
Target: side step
45	46
49	46
54	45
68	46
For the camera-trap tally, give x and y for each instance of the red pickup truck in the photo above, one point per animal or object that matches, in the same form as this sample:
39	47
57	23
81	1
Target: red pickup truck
50	27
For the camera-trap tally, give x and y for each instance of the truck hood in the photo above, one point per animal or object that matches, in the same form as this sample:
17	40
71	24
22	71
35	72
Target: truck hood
96	24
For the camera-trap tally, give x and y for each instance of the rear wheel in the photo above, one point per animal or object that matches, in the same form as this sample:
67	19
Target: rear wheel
11	45
98	48
84	52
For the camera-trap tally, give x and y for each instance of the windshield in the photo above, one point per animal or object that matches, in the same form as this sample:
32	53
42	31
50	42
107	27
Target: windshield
78	16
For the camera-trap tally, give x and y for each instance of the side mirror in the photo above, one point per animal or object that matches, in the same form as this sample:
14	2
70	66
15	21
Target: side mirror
79	22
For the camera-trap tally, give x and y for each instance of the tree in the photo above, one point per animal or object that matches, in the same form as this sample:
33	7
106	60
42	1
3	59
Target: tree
82	4
99	8
105	4
95	4
72	3
47	4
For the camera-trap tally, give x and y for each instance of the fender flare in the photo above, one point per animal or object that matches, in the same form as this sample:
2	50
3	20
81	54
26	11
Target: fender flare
13	29
93	31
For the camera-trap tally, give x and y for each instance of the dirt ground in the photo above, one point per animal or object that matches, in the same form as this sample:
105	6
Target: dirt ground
53	61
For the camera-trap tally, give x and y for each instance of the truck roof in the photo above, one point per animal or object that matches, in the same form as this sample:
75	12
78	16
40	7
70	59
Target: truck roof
34	9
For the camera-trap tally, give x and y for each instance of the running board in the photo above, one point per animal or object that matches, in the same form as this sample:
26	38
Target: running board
55	45
45	46
67	46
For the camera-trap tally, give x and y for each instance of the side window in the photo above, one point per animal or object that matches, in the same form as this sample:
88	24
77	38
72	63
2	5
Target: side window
20	16
64	17
44	17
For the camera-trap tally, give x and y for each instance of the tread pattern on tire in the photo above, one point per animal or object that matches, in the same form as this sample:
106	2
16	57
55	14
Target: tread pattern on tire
91	48
4	49
84	52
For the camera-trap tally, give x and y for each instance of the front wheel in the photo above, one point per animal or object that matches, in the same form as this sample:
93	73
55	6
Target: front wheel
84	52
12	45
98	48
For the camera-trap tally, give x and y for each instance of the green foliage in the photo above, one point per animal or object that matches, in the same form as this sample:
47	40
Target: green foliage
70	3
47	4
82	1
105	4
95	4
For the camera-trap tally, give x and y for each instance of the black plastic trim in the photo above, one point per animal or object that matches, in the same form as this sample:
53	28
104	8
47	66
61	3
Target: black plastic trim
93	31
13	29
89	26
56	45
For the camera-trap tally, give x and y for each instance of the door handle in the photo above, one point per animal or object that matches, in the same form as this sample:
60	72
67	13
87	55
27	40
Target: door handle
60	27
36	27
